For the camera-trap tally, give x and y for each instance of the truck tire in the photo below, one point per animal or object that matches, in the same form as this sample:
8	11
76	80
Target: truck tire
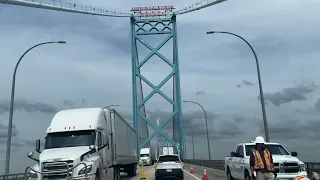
157	177
131	170
116	172
246	175
229	176
97	176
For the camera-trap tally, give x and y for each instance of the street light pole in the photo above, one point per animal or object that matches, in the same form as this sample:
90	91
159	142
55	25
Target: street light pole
7	165
266	130
191	138
205	117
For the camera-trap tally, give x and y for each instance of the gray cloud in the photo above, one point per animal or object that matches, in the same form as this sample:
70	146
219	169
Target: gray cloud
96	27
68	102
294	128
27	106
196	119
317	104
4	131
247	83
287	95
199	93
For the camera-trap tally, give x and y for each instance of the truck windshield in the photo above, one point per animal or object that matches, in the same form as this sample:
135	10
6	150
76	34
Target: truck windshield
70	139
144	155
273	148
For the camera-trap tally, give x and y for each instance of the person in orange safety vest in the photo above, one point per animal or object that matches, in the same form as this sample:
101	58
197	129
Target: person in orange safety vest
261	162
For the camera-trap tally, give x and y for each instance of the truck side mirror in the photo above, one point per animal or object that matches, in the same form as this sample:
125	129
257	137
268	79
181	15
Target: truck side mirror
231	154
38	145
295	154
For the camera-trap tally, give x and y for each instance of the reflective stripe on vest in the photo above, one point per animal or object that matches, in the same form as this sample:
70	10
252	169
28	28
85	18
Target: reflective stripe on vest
302	178
258	163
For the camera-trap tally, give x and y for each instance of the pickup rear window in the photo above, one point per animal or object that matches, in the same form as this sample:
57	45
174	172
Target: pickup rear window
273	148
168	159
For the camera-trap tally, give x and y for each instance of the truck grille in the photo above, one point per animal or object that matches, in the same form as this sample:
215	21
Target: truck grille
57	169
287	167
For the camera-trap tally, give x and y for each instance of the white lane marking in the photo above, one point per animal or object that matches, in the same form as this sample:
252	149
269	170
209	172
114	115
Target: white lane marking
192	175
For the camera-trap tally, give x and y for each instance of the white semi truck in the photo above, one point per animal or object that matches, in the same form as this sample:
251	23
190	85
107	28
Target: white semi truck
147	156
90	142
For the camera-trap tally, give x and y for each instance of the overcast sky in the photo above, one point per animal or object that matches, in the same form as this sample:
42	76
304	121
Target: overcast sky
94	70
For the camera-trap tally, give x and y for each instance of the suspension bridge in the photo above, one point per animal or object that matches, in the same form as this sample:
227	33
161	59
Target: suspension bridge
160	20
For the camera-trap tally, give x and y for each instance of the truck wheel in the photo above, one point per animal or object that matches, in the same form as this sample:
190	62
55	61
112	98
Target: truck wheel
116	173
229	176
247	176
157	177
132	170
97	177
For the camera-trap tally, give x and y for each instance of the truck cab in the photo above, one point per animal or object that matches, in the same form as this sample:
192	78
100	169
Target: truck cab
287	165
147	156
80	144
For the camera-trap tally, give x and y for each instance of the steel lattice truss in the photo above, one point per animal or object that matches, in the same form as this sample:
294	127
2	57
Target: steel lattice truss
139	30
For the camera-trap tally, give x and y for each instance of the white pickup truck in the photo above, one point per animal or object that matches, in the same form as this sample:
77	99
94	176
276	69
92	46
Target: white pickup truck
287	165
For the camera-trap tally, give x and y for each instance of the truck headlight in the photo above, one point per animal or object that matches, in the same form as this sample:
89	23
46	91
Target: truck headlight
302	167
84	170
33	174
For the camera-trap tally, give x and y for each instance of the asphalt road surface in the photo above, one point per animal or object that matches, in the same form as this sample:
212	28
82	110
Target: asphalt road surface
212	173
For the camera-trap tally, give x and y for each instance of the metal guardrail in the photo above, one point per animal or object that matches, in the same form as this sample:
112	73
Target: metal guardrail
219	164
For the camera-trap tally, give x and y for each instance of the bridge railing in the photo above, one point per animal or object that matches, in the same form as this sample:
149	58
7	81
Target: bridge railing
219	164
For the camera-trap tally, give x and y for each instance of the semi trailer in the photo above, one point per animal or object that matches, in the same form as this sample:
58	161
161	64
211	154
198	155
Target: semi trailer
86	143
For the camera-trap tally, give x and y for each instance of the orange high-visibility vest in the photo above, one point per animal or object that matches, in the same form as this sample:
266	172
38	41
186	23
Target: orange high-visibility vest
258	163
302	178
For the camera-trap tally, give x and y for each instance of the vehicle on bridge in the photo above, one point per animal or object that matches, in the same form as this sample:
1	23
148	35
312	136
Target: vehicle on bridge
167	150
287	166
93	142
169	166
147	156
